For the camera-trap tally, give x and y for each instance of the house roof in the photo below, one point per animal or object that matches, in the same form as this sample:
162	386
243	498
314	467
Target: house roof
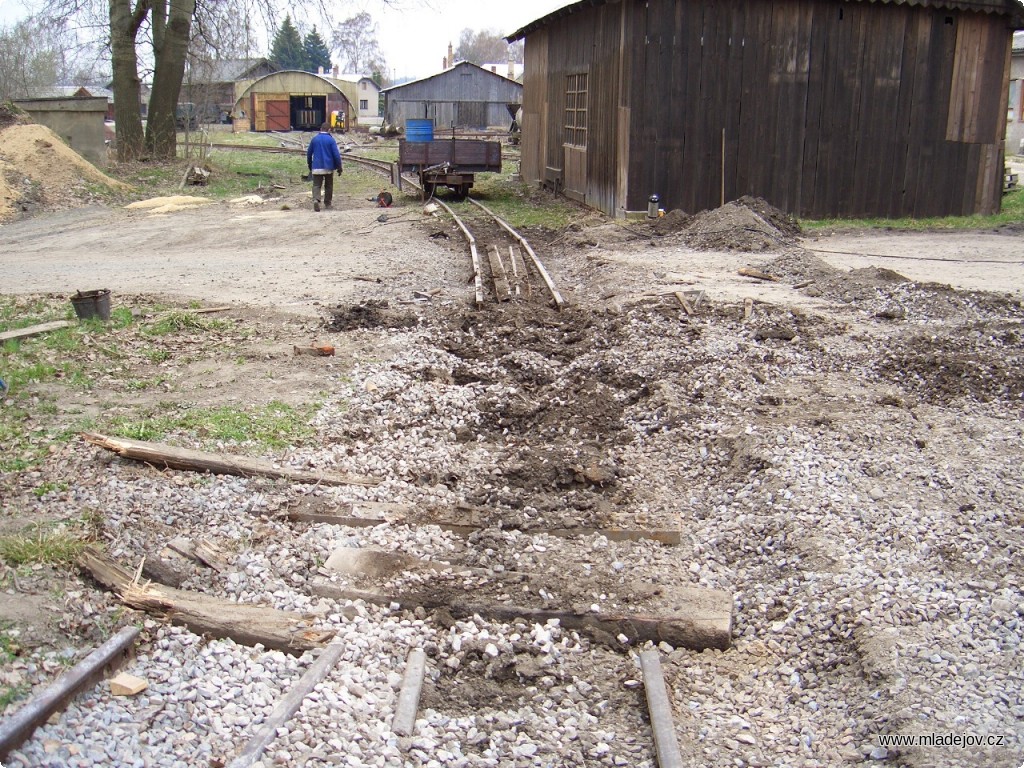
1013	8
352	78
448	71
71	91
230	70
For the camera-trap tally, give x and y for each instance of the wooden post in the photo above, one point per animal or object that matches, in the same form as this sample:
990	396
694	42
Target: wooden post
289	705
409	697
723	166
665	743
19	727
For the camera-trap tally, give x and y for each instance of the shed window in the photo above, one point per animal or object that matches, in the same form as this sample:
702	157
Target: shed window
364	104
576	110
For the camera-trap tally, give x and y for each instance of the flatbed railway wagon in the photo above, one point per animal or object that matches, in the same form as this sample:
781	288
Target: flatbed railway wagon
449	163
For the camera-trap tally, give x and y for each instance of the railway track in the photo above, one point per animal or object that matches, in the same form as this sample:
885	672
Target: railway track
505	266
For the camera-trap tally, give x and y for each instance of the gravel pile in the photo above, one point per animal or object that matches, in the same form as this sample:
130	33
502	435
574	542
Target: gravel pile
864	512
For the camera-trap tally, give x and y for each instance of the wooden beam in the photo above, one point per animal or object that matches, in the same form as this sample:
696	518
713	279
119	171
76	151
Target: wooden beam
498	274
404	720
289	705
473	520
666	745
244	623
683	302
34	330
757	274
161	455
684	617
17	728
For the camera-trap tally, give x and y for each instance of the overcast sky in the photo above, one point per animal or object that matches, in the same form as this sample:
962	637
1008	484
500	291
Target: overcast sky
415	39
415	33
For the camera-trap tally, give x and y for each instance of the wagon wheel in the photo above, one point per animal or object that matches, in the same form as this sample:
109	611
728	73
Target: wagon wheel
462	191
428	189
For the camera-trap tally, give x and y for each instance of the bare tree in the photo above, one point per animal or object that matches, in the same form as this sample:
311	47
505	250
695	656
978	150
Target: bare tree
486	46
36	54
355	39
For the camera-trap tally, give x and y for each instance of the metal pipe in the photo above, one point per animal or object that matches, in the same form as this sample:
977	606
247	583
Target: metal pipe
19	727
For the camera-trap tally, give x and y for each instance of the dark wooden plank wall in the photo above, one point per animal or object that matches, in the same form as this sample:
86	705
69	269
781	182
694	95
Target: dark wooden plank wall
840	108
827	108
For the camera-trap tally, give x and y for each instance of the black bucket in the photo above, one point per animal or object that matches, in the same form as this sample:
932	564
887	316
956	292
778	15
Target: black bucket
92	304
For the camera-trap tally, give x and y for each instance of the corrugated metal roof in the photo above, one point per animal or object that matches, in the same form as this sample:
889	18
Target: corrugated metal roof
445	72
1018	42
1013	8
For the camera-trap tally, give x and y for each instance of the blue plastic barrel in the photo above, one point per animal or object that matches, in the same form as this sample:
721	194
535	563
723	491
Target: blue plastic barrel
419	130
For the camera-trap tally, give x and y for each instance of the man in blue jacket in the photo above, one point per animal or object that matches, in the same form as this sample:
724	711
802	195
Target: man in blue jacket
323	158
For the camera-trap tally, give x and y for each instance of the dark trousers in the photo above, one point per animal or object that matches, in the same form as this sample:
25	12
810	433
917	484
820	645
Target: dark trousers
327	180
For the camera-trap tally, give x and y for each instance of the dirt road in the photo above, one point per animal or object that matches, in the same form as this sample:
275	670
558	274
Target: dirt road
282	255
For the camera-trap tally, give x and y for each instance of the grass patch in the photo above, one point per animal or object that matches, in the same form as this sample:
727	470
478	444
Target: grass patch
274	425
177	321
49	486
48	546
1012	212
516	202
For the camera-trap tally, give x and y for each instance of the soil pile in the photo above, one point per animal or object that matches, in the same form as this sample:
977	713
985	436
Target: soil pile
673	221
38	171
748	224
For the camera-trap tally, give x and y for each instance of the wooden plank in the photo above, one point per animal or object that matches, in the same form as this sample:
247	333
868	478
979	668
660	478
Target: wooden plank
519	264
821	17
666	745
404	720
684	617
289	705
34	330
516	286
17	728
901	149
684	303
205	615
737	12
161	455
498	275
200	551
469	523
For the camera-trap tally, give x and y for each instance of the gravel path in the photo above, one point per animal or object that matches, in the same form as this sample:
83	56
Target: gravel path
846	466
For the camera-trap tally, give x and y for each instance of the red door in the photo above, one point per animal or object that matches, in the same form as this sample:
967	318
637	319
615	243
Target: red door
278	118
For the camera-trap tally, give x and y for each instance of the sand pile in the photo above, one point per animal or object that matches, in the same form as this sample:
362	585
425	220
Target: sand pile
38	171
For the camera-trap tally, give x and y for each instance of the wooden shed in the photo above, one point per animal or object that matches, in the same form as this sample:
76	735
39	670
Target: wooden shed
292	100
822	107
464	96
1015	110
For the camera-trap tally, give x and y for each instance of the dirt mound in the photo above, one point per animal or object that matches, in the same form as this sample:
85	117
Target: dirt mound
370	314
748	224
10	114
38	171
800	267
673	221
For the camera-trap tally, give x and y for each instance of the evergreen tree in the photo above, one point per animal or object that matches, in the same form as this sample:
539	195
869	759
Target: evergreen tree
287	51
317	52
